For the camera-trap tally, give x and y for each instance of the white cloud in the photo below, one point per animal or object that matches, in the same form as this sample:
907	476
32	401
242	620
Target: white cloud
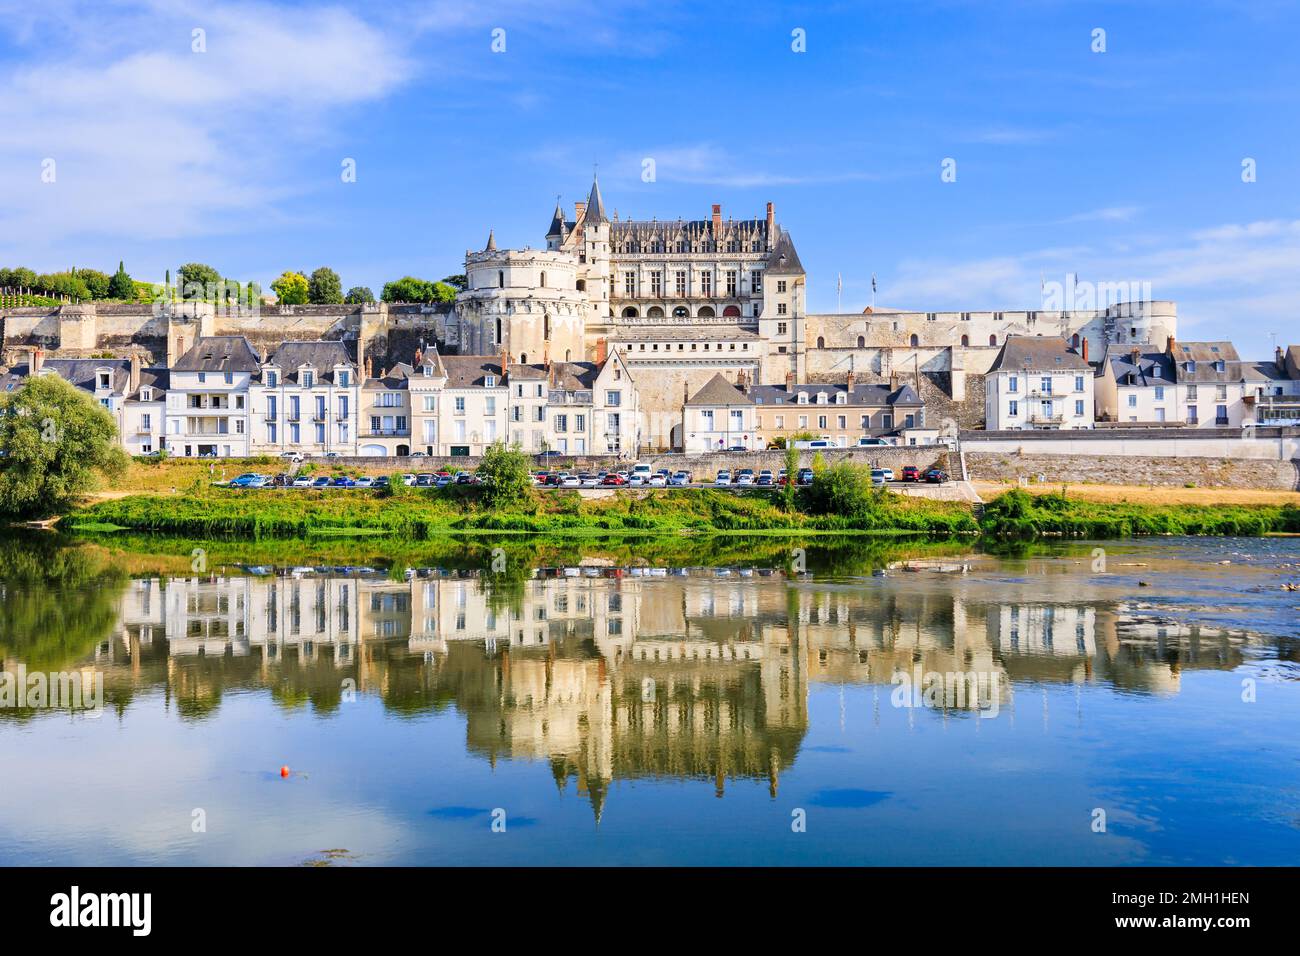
152	140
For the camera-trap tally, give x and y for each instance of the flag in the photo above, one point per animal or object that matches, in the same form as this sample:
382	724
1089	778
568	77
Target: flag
873	282
839	282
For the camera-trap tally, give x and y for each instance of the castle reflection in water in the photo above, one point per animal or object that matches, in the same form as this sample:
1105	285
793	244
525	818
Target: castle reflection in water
613	675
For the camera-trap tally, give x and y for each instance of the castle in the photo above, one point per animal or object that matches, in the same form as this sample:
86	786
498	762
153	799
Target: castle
680	300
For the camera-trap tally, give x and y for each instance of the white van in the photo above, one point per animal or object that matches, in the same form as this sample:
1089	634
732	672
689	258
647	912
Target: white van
815	443
641	471
872	443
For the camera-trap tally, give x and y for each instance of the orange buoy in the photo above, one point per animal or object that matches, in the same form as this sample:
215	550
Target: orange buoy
284	771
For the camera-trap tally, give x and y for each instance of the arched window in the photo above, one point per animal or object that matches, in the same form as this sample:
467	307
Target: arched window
582	285
498	331
965	341
914	341
732	311
1074	340
655	312
821	342
501	278
993	339
542	277
523	359
629	313
568	355
680	312
862	341
706	312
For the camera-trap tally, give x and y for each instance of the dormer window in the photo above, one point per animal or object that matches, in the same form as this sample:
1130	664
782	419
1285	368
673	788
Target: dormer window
803	398
344	378
841	398
821	398
1155	371
489	381
307	378
272	378
1219	366
146	394
1189	366
105	380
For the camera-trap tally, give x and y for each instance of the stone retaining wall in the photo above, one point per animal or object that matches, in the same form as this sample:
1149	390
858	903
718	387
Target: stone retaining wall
1166	471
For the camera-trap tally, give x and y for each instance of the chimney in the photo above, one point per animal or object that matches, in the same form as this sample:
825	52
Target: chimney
38	360
717	219
848	382
1279	358
789	381
602	347
1169	345
579	208
370	367
1084	349
686	393
505	363
133	382
419	357
546	354
771	222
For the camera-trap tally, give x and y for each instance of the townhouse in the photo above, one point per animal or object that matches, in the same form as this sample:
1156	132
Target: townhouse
1136	387
1276	395
718	417
384	426
591	408
207	399
132	394
1038	382
841	413
304	399
474	402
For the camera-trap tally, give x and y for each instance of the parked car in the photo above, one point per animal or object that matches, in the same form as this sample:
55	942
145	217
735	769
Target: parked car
613	479
878	476
302	481
805	476
382	481
737	448
408	479
331	454
588	481
889	473
764	479
365	481
294	456
871	442
657	480
442	480
570	481
911	473
321	481
936	476
723	480
343	481
680	478
745	478
245	480
425	480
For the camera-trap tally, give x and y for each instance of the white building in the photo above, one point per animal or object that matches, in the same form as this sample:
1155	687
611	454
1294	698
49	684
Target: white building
132	394
1038	382
718	417
305	399
207	401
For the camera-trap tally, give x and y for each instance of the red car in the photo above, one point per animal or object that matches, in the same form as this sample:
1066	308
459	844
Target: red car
613	479
911	473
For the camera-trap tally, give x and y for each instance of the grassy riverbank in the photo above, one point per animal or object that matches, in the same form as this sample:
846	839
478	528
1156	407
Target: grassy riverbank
1017	514
426	513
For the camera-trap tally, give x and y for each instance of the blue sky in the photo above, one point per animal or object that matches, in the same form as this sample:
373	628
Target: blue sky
1121	166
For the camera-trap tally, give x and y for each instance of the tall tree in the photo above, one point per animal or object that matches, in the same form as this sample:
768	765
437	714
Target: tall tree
291	288
121	286
56	443
325	287
198	281
359	294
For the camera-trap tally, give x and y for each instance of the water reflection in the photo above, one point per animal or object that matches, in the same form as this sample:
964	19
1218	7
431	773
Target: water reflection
605	673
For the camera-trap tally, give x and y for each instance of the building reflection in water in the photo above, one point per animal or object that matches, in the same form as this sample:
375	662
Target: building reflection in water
610	675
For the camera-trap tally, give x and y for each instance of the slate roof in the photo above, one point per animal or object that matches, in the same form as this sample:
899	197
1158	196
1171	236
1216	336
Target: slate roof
595	211
83	373
872	394
468	371
397	377
1038	353
320	356
783	260
1205	355
1150	368
718	391
219	353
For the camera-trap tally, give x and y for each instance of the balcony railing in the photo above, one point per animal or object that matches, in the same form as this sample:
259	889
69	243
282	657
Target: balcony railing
1046	417
386	433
